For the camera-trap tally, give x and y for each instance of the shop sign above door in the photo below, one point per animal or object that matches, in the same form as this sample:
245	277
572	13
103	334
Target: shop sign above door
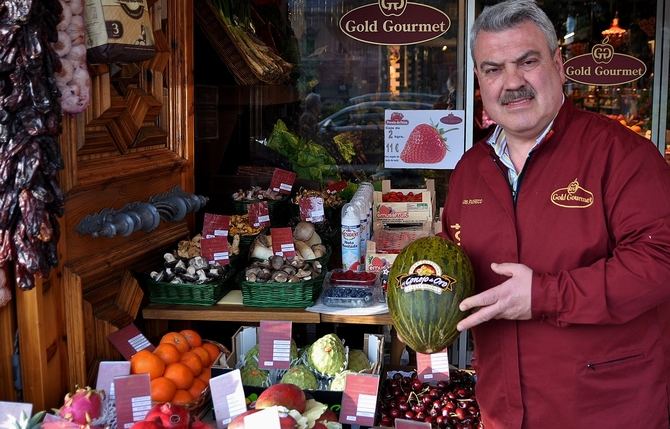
394	22
604	67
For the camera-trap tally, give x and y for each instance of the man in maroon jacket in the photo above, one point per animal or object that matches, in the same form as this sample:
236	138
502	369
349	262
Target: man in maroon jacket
565	215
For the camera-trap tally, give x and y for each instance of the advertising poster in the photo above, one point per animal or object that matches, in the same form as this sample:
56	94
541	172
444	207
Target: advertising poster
425	139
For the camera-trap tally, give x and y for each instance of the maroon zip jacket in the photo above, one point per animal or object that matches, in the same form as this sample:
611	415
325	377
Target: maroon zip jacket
592	220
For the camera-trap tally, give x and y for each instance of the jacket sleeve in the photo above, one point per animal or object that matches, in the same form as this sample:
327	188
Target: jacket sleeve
635	277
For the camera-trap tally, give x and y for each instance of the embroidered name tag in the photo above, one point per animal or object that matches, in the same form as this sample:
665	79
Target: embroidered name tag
473	201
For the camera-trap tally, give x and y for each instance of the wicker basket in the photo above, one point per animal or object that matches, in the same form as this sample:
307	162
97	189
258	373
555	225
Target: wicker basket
187	293
284	295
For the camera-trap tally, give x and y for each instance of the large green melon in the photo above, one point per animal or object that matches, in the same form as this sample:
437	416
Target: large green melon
427	281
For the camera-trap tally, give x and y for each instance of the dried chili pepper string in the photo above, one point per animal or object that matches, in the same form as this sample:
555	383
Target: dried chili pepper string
30	122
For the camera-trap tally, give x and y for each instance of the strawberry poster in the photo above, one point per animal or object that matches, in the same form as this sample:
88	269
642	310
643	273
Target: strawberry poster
430	139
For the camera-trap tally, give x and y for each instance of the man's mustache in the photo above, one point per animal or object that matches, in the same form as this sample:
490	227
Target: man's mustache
511	96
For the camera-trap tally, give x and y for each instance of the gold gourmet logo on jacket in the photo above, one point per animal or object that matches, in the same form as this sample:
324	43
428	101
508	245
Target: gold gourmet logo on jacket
572	197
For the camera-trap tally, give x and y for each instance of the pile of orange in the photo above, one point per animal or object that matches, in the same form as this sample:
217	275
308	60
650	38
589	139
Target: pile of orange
179	368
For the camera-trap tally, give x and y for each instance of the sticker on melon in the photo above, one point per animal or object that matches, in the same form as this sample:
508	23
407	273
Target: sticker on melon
428	280
425	275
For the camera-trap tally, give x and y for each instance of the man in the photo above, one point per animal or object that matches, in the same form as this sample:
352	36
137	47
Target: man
566	217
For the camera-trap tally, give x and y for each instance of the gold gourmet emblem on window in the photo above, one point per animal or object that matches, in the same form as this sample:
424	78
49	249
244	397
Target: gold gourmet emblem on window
394	22
426	275
572	197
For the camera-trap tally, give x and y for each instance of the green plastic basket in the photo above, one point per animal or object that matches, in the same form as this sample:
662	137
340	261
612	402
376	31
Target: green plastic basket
186	293
283	295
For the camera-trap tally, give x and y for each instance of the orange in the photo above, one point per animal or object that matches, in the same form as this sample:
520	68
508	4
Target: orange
162	389
177	339
206	374
192	337
180	374
212	349
168	352
197	388
146	362
182	397
204	356
192	361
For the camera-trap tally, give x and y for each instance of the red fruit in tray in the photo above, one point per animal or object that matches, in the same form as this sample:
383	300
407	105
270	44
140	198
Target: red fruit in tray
284	394
425	145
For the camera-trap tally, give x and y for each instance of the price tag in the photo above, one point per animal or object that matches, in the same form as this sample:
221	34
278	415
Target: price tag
215	250
433	367
228	397
335	187
214	225
259	214
133	399
274	344
311	209
411	424
359	399
266	419
14	409
282	181
107	371
282	242
129	340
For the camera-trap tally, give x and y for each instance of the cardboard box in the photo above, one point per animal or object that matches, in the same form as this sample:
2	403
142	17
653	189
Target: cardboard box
404	212
247	336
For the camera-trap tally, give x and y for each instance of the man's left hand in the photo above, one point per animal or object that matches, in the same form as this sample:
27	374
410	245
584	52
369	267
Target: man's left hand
509	300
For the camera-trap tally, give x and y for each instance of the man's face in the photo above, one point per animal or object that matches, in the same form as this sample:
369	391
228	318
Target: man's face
519	78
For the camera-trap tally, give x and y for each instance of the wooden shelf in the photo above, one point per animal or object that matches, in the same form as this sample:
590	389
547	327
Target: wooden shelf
240	313
227	313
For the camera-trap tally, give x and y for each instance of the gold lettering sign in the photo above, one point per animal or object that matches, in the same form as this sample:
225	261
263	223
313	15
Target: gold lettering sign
604	67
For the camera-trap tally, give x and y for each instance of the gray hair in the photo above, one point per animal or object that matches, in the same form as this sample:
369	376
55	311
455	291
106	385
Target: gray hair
509	14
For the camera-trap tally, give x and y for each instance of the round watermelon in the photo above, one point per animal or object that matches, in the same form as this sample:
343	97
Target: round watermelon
428	280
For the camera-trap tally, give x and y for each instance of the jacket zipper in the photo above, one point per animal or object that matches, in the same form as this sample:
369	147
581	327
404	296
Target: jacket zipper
599	365
520	179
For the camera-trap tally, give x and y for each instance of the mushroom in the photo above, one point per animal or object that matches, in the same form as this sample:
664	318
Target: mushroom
319	250
280	276
303	231
304	250
276	262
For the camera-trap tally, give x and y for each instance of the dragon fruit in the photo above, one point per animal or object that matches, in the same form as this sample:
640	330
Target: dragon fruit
82	406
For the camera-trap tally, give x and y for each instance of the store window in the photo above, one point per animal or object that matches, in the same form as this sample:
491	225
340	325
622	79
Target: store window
319	108
593	32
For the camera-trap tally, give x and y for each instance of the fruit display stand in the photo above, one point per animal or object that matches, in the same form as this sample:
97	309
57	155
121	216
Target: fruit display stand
401	206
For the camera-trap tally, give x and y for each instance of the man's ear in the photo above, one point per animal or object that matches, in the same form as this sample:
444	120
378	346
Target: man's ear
558	63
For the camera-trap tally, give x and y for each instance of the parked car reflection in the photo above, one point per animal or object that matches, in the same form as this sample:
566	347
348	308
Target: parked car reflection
354	135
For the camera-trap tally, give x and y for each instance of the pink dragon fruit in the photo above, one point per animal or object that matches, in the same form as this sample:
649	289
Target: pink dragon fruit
83	406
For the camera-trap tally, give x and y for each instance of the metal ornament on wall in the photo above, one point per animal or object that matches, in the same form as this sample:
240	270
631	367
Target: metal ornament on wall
171	206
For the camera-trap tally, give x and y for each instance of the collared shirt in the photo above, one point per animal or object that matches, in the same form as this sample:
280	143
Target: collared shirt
498	141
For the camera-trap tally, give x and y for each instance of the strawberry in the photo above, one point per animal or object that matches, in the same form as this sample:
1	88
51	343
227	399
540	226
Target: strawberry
425	145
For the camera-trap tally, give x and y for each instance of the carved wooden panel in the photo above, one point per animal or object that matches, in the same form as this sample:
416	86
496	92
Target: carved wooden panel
135	140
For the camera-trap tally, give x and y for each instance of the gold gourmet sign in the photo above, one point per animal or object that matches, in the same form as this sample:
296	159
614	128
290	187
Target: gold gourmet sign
604	67
394	22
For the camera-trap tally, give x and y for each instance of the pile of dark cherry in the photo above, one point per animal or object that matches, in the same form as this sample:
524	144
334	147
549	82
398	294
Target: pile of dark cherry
443	404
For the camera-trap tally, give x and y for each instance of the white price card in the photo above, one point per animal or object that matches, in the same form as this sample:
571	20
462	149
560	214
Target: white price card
359	399
424	139
133	399
433	367
14	410
228	397
274	344
107	371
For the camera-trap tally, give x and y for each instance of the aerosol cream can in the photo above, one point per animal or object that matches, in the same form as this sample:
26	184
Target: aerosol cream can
351	237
